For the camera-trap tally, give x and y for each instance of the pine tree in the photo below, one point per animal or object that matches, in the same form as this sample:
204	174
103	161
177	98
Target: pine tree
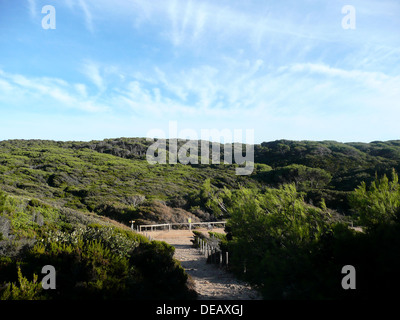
380	203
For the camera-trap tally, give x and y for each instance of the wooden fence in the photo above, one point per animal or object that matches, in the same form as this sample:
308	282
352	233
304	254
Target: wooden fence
206	246
212	251
170	226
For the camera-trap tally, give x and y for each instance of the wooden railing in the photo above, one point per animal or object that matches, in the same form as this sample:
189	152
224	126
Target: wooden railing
169	226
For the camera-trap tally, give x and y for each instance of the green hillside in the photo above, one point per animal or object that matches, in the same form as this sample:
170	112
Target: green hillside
113	178
69	204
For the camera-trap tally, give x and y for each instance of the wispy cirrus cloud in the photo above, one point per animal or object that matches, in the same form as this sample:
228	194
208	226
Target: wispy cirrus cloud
32	8
87	14
30	93
282	65
187	20
297	96
92	71
255	88
82	8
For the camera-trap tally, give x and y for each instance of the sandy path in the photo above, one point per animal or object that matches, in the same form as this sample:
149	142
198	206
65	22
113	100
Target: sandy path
211	282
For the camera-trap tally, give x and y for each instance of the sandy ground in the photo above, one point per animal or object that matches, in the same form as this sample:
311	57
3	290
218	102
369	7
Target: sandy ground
211	282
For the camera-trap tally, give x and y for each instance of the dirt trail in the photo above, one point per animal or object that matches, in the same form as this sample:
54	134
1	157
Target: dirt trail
211	282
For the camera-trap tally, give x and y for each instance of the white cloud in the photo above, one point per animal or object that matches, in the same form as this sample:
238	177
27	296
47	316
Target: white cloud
82	8
188	20
43	93
190	23
32	8
373	85
304	99
81	89
88	15
92	71
227	60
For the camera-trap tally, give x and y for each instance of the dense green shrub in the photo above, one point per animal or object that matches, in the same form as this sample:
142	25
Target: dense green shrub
291	250
271	233
24	290
380	203
85	270
164	277
89	266
303	177
119	242
93	260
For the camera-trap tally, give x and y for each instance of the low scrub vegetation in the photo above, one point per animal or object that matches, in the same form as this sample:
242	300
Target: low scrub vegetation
289	232
94	259
291	250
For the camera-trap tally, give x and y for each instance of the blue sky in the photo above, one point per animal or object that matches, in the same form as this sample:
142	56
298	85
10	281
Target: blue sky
285	69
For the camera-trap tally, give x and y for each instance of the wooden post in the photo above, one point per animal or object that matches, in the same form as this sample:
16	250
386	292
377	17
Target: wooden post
226	258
